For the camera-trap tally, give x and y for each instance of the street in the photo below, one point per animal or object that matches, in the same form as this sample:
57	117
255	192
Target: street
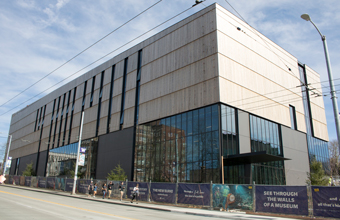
23	204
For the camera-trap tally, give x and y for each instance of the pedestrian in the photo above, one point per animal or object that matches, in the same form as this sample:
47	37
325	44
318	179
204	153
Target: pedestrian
121	189
135	193
90	188
104	189
110	188
95	190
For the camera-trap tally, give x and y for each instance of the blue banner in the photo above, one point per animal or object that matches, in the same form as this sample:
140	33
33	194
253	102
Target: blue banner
143	190
326	201
83	186
282	199
27	181
195	194
50	182
69	185
163	192
42	182
228	197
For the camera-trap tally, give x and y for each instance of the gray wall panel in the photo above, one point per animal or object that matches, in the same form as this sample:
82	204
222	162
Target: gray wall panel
115	148
42	163
244	132
26	160
295	148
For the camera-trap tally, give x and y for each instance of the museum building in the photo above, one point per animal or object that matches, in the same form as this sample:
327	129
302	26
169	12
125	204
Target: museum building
207	99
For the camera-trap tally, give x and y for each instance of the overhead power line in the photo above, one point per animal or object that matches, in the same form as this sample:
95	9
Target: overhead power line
97	60
79	54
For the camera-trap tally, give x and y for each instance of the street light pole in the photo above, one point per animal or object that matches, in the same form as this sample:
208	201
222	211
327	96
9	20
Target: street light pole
330	78
77	160
8	147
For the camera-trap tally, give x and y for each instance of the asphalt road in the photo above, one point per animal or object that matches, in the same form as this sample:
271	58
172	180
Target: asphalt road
23	204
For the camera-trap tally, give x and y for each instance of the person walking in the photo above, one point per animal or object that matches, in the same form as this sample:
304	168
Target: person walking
121	189
135	193
110	188
95	188
90	189
104	189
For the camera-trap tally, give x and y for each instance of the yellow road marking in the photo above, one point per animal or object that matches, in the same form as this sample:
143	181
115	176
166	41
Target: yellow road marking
88	210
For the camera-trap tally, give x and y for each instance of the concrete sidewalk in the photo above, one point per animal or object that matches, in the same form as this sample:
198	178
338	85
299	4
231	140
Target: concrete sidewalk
167	208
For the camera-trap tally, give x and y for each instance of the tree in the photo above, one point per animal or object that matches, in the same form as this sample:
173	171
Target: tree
29	171
117	173
317	175
334	158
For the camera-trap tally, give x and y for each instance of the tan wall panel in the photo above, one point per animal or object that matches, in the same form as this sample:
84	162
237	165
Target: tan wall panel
129	117
102	126
89	130
114	125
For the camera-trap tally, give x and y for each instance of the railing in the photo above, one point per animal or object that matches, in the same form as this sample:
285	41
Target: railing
310	201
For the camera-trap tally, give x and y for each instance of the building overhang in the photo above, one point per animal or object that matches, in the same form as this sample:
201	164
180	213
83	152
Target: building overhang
249	158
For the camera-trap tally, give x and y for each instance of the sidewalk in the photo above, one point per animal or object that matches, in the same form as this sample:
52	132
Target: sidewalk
169	208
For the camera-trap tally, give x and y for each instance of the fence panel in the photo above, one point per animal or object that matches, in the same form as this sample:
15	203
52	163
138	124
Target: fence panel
83	186
194	194
69	185
60	184
282	199
42	182
326	201
163	192
228	197
50	182
28	181
143	190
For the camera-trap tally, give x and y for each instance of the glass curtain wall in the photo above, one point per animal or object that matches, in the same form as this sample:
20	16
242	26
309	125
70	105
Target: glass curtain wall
265	136
61	160
183	148
230	145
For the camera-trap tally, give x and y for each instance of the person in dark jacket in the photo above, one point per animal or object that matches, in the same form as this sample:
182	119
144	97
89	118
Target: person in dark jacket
110	188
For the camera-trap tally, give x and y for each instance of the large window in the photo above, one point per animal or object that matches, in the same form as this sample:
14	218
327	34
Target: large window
183	148
266	136
61	161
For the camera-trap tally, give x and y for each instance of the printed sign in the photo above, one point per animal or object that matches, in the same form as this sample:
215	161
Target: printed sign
42	182
195	194
50	182
282	199
28	181
83	186
228	197
326	201
163	192
143	190
69	185
81	161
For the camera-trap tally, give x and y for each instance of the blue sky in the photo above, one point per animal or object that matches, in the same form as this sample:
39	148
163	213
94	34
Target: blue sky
37	36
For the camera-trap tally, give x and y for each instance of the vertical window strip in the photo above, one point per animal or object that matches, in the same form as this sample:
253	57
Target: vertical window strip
40	117
56	122
66	117
139	72
61	119
92	90
51	126
71	119
36	121
123	95
110	99
84	95
100	102
292	117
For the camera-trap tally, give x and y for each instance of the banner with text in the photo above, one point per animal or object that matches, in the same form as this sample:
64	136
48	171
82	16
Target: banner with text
83	186
228	197
282	199
69	185
27	181
163	192
42	182
195	194
50	182
143	190
326	201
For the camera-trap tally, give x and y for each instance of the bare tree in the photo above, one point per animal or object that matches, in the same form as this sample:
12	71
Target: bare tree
334	158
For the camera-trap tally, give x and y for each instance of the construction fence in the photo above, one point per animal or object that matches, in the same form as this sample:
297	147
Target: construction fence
318	201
